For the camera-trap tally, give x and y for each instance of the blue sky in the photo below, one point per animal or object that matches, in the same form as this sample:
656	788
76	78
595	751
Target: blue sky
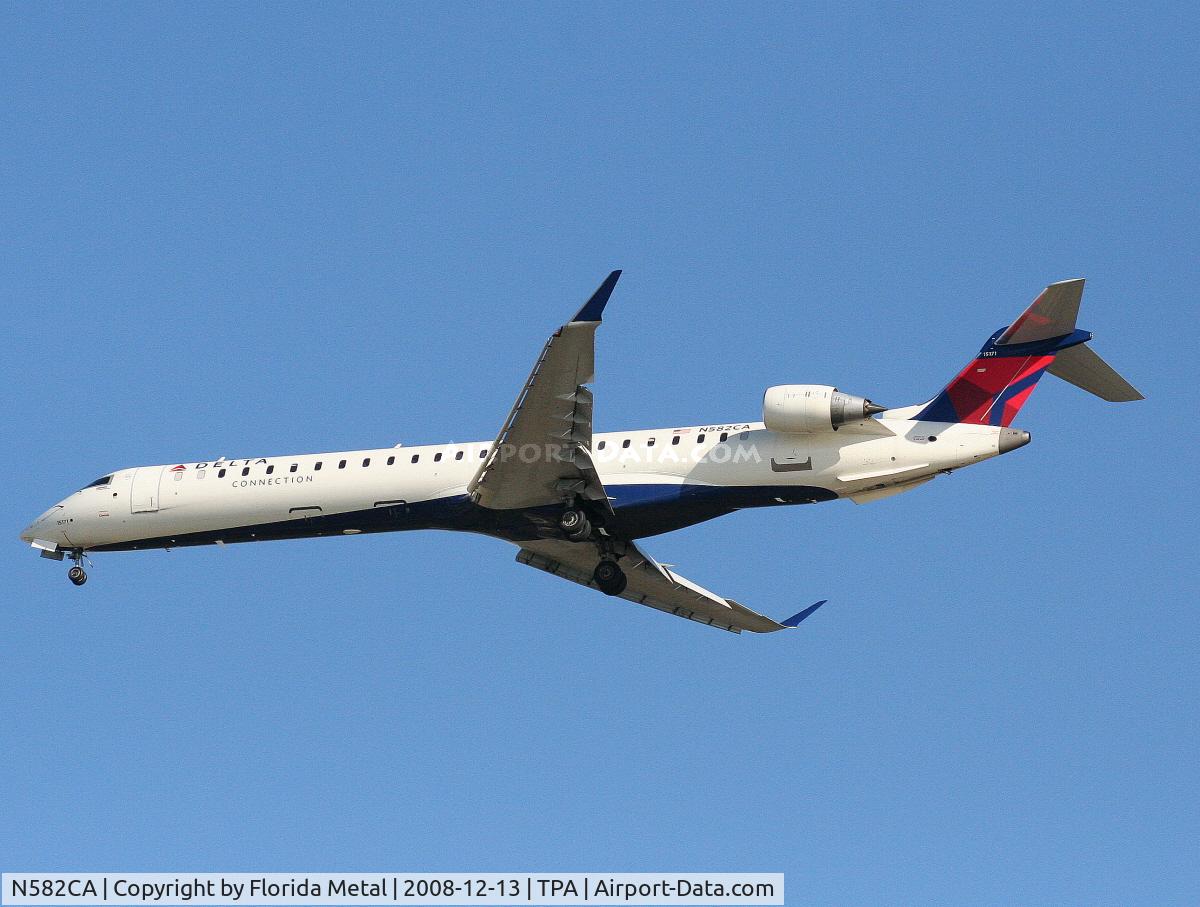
254	230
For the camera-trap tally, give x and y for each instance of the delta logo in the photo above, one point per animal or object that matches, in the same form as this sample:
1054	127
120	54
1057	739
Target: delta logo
178	468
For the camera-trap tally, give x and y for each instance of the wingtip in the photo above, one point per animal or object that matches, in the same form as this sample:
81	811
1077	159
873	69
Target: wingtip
795	619
594	307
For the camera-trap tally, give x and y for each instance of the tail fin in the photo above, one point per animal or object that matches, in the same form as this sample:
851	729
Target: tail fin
995	385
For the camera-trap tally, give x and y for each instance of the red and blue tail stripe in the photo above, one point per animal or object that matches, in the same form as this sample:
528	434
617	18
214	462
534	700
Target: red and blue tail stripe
995	385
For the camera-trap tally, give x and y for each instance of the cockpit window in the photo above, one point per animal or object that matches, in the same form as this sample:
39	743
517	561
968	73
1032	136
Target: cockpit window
99	483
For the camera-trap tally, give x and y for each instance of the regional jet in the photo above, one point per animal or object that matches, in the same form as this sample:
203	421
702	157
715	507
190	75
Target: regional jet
577	503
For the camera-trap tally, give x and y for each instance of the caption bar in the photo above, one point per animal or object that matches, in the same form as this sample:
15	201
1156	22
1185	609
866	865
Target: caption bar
367	889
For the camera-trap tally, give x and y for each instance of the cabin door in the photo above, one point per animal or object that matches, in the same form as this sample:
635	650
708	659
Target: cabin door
143	496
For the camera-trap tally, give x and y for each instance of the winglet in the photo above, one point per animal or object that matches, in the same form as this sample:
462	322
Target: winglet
795	619
595	306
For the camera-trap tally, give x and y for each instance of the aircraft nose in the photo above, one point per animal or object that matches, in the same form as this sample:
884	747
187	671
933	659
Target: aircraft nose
43	528
1011	439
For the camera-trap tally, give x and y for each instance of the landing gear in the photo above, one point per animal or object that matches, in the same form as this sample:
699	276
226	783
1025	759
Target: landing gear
76	574
575	524
609	577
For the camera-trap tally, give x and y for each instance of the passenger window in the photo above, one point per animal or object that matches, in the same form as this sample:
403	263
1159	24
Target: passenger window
341	464
270	469
650	443
220	473
294	467
317	466
600	446
199	473
744	435
416	457
483	453
246	471
624	443
724	436
366	461
675	440
391	461
459	455
700	438
437	457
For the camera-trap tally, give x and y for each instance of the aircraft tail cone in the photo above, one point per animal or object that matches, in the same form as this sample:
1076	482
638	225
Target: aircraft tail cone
1011	439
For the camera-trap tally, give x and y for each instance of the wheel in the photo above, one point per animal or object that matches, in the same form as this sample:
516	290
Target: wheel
572	518
609	577
76	575
575	525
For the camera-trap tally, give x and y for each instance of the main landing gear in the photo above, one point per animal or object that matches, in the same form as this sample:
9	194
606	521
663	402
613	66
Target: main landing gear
76	574
575	524
609	577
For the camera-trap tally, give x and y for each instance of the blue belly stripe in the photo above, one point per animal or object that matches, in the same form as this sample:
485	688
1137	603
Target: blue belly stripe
641	510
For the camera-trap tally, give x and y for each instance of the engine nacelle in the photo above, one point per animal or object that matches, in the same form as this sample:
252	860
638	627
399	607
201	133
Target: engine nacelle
799	408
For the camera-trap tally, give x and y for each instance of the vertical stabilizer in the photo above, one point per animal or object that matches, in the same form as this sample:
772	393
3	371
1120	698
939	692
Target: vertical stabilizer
995	384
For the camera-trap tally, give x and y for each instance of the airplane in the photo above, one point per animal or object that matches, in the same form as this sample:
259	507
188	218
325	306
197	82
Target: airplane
577	503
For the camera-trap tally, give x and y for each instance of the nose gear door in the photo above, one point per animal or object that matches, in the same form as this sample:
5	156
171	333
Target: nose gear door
143	496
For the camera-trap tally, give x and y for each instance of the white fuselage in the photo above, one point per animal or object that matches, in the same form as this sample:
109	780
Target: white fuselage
655	483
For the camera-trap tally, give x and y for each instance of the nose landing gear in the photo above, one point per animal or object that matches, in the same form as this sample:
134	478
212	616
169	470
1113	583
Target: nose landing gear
76	574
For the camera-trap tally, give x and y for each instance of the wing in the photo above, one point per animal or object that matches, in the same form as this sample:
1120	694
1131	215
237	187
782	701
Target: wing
653	585
543	450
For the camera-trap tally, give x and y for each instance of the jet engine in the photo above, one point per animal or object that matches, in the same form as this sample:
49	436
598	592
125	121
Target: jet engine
798	408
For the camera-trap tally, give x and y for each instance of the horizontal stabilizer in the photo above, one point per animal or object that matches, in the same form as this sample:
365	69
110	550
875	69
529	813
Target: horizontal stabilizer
1053	314
795	619
1082	366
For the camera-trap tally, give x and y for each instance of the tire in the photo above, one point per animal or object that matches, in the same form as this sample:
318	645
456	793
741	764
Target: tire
570	521
77	576
575	525
609	577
